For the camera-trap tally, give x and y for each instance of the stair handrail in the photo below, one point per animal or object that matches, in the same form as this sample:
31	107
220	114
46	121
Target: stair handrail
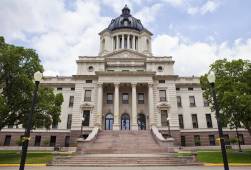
157	134
93	134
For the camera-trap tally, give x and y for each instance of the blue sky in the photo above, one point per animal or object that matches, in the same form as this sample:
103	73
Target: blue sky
194	32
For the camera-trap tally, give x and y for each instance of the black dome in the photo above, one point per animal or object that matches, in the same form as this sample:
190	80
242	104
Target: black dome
125	20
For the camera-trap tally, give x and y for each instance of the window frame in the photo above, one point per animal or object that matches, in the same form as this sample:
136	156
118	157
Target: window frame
179	101
162	98
71	101
125	101
209	122
88	98
107	98
195	124
181	121
192	104
141	101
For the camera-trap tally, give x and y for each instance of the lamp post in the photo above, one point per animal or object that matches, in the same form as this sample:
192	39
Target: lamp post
169	131
211	80
82	121
25	140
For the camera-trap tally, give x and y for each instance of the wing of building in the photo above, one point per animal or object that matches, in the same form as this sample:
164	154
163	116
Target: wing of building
126	87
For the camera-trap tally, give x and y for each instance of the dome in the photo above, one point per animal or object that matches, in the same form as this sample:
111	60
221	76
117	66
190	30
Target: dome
125	20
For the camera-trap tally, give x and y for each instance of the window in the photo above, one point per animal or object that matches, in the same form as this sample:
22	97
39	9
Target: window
211	140
10	126
164	116
37	140
71	101
7	140
190	88
162	81
209	121
53	140
88	94
67	141
88	81
241	139
206	104
160	68
181	122
59	88
183	140
226	139
54	125
72	88
194	121
179	104
69	120
177	89
140	98
197	140
86	115
192	101
109	98
90	68
125	98
162	95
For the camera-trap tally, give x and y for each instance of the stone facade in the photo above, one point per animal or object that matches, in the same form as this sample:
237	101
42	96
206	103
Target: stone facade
125	87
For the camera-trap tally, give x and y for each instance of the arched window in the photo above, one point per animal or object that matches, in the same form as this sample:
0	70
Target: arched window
90	68
160	68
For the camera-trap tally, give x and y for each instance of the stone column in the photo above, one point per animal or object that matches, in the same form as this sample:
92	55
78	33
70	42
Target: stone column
133	42
116	107
128	41
99	105
117	42
150	104
134	107
123	40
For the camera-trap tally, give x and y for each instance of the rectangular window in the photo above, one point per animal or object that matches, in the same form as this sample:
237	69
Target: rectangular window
179	103
86	115
67	141
209	121
190	88
59	88
206	104
181	122
183	140
211	140
192	101
194	121
53	140
162	81
88	81
7	140
10	126
241	138
164	116
54	125
71	101
162	95
69	120
109	98
72	88
88	94
197	140
37	140
177	89
140	98
125	98
226	139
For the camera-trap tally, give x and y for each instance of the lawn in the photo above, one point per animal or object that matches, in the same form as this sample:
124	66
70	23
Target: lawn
215	156
13	157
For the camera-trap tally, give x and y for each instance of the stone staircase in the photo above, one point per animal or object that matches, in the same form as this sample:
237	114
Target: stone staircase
123	148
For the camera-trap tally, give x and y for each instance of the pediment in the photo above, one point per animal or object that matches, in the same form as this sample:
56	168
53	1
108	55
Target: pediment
125	55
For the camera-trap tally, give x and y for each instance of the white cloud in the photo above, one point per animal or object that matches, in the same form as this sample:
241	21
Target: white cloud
174	3
208	7
194	58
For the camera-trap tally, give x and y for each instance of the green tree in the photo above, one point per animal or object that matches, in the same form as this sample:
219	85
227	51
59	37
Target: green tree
233	86
17	66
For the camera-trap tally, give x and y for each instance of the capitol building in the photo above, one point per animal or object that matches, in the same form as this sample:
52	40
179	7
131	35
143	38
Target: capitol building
126	88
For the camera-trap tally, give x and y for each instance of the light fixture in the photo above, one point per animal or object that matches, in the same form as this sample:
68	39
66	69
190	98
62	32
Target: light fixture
211	77
38	76
167	118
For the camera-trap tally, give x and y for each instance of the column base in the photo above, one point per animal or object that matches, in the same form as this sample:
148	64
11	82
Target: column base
116	127
135	127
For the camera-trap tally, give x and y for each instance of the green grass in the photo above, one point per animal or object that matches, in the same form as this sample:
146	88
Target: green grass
216	157
13	157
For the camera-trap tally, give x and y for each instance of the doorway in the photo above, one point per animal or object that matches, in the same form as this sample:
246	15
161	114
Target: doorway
141	121
108	121
125	122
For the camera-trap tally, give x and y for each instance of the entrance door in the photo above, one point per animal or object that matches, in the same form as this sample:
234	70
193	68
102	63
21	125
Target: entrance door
125	122
141	121
108	121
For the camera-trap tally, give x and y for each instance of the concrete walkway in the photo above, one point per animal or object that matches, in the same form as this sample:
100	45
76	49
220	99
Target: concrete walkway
126	168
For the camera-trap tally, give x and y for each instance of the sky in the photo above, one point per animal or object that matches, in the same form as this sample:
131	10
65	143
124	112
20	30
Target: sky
194	32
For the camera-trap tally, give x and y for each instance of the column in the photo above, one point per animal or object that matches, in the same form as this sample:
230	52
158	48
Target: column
99	105
128	41
116	107
133	42
134	107
123	39
150	104
117	42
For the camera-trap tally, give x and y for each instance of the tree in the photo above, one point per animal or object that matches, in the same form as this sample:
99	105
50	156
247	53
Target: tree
17	67
233	86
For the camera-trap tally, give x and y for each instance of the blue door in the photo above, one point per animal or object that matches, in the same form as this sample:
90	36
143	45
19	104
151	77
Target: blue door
125	122
108	121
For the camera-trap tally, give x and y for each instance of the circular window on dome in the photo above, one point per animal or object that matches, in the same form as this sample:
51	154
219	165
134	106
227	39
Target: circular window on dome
90	68
160	68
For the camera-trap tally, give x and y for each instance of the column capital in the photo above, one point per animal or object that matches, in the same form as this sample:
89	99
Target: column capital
116	84
134	84
150	84
100	84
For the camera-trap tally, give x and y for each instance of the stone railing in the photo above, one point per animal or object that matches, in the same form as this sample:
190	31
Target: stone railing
165	142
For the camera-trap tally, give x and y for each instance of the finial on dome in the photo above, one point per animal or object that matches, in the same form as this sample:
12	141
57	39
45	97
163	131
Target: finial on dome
125	10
